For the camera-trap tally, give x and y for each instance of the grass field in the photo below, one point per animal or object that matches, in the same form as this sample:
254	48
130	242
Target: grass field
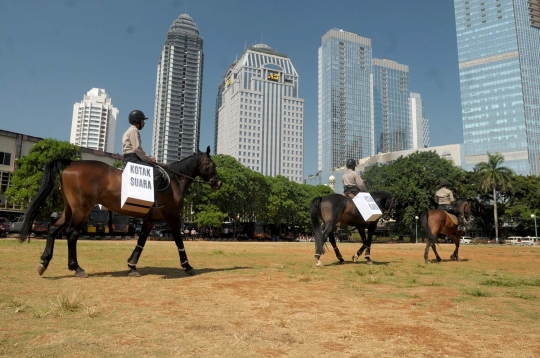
269	300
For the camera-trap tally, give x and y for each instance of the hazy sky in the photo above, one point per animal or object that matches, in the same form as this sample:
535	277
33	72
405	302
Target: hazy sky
52	52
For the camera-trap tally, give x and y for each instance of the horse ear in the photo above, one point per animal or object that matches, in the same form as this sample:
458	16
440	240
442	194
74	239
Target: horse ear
208	151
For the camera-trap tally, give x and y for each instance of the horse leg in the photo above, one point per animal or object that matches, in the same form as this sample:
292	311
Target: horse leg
175	230
329	228
136	254
426	252
371	230
435	251
332	239
455	256
54	229
73	235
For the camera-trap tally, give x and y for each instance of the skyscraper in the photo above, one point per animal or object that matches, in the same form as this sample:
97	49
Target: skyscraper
419	124
259	114
345	123
177	114
94	122
499	67
391	106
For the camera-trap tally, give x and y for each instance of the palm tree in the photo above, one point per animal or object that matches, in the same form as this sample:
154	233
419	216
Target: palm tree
494	177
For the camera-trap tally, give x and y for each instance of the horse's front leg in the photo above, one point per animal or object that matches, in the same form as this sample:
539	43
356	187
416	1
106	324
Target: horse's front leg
332	239
455	256
182	253
136	254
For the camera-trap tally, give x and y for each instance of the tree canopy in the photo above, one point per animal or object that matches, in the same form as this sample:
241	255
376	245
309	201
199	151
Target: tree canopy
27	178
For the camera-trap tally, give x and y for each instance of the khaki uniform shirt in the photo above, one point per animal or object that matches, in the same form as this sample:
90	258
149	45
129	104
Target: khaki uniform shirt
131	143
353	178
444	196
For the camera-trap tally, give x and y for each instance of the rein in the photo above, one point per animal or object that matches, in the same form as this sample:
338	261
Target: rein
182	175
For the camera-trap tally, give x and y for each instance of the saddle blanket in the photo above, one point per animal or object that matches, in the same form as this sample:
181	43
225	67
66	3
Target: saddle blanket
452	217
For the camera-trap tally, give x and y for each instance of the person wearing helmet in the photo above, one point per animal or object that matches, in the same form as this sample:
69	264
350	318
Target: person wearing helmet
445	198
131	140
352	182
132	149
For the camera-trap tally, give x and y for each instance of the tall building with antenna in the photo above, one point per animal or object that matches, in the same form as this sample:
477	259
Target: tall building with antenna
177	114
259	114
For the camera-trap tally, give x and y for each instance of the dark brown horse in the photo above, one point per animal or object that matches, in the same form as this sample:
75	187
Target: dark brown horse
438	221
86	183
336	208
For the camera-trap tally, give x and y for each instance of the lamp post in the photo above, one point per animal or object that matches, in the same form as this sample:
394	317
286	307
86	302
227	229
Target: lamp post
535	227
416	217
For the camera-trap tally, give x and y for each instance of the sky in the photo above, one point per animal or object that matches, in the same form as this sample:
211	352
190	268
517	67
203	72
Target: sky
53	52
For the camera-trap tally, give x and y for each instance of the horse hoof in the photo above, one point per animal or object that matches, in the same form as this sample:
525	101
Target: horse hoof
341	261
319	263
428	262
439	260
458	259
191	272
81	273
41	269
453	258
369	262
134	273
355	258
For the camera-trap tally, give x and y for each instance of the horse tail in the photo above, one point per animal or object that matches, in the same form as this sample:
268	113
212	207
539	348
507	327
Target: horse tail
424	221
47	185
314	213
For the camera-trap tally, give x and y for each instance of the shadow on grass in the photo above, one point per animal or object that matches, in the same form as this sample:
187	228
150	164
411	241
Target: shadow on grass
164	272
375	263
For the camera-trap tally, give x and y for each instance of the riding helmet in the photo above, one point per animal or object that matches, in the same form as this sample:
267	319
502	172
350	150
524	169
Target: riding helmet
135	116
444	182
351	163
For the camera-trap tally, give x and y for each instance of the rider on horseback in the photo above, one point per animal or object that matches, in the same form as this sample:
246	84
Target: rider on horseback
352	182
445	198
131	145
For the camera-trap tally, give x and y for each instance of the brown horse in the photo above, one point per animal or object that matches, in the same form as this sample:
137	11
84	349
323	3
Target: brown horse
86	183
437	222
336	208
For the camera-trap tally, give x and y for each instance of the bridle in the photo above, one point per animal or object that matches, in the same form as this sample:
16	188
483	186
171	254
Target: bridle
206	164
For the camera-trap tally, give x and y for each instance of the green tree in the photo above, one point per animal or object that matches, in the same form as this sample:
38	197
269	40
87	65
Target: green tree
27	177
118	164
494	177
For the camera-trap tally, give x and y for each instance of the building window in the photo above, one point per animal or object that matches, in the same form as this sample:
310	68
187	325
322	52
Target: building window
5	158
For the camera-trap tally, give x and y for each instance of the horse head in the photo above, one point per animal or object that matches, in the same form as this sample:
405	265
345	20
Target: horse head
207	170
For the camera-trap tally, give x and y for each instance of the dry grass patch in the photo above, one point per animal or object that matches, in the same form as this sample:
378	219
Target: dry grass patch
269	300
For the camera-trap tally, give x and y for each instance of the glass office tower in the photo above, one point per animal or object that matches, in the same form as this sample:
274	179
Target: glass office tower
177	114
391	106
499	66
345	123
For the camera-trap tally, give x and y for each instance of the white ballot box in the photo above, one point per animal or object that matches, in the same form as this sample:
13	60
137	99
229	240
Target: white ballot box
367	206
137	188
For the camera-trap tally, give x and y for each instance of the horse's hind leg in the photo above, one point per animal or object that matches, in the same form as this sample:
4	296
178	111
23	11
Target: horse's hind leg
54	229
426	252
175	230
136	254
73	232
332	239
328	228
47	255
436	253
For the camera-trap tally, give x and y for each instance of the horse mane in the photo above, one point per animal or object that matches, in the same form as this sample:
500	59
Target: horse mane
184	166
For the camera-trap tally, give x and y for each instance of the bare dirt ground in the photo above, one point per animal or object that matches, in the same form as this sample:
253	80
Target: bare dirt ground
269	300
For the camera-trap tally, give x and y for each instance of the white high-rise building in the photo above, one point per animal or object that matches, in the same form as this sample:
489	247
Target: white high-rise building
259	115
419	124
177	115
94	122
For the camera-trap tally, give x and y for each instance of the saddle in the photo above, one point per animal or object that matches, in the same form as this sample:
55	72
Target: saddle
452	217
